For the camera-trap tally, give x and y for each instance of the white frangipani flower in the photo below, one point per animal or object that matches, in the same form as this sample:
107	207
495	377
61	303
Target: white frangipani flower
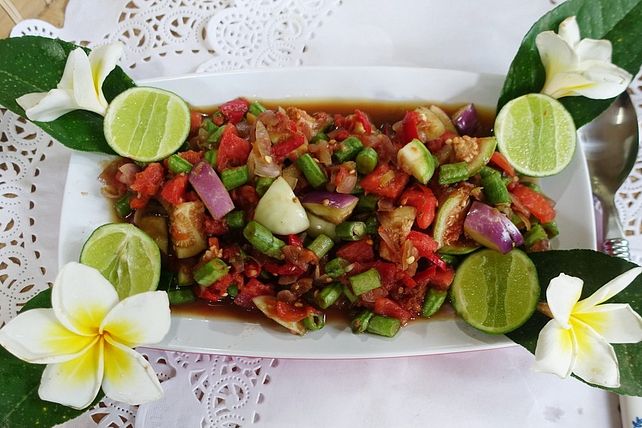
579	67
577	340
80	87
86	339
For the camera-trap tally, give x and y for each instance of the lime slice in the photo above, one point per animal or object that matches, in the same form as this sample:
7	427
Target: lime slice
536	134
146	124
494	292
126	256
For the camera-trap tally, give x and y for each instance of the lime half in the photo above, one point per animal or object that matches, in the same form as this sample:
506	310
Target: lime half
536	134
494	292
146	124
126	256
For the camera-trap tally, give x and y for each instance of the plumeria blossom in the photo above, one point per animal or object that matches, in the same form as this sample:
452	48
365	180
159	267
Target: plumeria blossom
577	340
86	339
80	87
579	67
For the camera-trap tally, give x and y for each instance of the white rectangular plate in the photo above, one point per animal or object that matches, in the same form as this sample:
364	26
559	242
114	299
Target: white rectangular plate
84	208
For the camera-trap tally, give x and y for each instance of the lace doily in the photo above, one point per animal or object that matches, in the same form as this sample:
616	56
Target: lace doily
170	37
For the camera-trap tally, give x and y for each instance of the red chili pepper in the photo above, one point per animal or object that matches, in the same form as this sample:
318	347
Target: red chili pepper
425	245
406	279
409	126
233	150
424	200
500	161
173	190
387	307
438	143
436	260
357	251
281	150
249	291
291	313
385	181
287	269
534	202
234	110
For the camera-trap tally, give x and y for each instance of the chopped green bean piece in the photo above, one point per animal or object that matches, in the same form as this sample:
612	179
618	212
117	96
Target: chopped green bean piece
178	165
551	229
233	290
365	281
211	272
449	258
453	172
256	108
336	267
122	206
314	321
494	187
537	233
367	160
215	136
383	326
235	177
211	156
351	230
235	219
180	296
321	136
348	149
433	301
263	240
367	203
262	184
328	295
360	323
348	293
372	225
312	170
533	186
321	245
208	125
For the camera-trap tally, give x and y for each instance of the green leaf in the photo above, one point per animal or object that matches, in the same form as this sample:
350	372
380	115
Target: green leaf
20	405
596	269
614	20
36	64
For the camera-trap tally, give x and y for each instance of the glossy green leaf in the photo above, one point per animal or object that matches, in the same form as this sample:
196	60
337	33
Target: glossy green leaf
35	64
596	269
20	405
614	20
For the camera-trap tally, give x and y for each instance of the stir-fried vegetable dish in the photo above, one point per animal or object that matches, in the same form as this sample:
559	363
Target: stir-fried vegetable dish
292	212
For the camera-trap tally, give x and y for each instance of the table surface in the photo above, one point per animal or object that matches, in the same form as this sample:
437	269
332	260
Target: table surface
174	37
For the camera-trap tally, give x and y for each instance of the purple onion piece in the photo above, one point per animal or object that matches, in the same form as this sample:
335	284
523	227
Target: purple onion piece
491	228
211	190
333	207
466	120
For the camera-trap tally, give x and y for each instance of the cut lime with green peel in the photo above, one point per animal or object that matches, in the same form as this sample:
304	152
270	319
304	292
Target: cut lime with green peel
536	134
495	293
126	256
146	124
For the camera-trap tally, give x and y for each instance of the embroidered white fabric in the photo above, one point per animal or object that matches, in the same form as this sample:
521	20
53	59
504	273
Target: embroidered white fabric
173	37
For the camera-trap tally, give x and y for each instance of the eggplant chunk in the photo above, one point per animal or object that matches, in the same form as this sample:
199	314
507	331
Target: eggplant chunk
186	229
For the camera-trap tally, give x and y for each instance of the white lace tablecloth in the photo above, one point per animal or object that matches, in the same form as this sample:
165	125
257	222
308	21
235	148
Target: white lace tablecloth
171	37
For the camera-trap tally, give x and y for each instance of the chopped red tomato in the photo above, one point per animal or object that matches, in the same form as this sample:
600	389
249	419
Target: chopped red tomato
357	251
290	313
425	245
440	279
389	308
406	279
360	123
233	150
287	269
536	203
146	184
409	127
281	150
502	163
295	240
385	181
387	273
196	119
424	200
438	143
218	289
192	156
234	110
249	291
214	226
173	190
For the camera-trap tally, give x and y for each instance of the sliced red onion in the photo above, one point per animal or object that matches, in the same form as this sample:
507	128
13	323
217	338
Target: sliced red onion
333	207
489	227
466	120
128	173
211	190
